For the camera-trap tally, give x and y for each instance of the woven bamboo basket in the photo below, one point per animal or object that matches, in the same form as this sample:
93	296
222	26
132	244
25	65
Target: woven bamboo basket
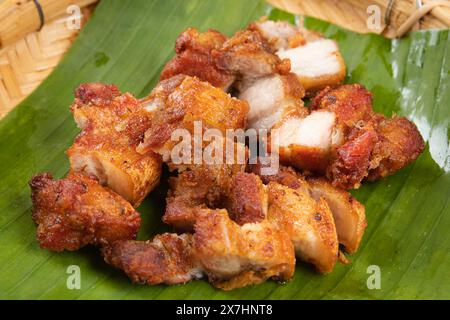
34	35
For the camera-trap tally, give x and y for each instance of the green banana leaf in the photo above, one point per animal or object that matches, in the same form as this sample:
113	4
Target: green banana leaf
127	43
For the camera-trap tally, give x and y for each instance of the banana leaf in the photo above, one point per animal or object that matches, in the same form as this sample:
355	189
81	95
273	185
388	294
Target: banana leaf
127	43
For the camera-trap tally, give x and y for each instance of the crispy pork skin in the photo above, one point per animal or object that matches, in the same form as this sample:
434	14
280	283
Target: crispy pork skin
234	256
112	125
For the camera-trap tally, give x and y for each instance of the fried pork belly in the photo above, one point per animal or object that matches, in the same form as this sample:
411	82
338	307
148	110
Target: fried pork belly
202	186
249	56
77	211
315	60
112	125
307	142
348	214
344	139
271	99
168	258
374	146
317	64
231	256
399	143
184	102
234	256
308	222
194	58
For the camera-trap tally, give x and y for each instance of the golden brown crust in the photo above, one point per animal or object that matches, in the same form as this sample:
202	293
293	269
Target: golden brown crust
247	200
248	55
113	124
399	143
349	214
196	188
352	159
191	101
194	58
308	222
168	258
374	146
76	211
235	256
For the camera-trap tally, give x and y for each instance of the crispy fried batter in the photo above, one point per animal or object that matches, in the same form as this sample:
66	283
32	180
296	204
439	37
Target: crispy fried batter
234	256
168	258
76	211
190	102
308	222
112	125
194	58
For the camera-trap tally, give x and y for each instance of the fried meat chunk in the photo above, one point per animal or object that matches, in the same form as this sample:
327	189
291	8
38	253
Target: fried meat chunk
249	56
374	146
344	139
348	214
168	258
231	256
271	99
201	186
194	57
184	102
234	256
77	211
316	61
309	223
112	125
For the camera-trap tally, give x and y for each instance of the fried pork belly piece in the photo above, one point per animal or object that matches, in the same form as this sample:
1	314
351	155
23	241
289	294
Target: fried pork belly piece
349	214
271	99
168	258
231	256
283	35
112	125
344	139
399	143
200	186
315	60
249	56
182	106
77	211
194	58
234	256
308	222
375	146
307	142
